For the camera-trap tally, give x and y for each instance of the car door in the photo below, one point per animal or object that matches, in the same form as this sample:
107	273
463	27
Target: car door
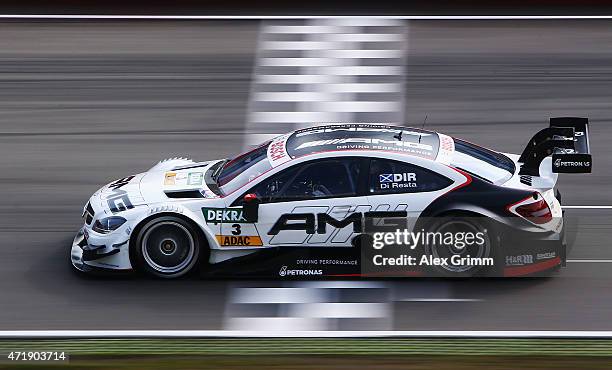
315	203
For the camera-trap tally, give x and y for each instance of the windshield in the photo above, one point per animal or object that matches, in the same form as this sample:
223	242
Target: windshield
243	169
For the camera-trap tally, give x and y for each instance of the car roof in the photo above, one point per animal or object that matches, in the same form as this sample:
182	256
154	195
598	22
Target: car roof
362	136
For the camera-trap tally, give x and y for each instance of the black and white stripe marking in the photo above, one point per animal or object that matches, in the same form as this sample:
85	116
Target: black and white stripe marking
318	71
306	306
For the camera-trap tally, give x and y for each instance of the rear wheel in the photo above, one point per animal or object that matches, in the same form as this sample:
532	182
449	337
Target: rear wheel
477	257
167	247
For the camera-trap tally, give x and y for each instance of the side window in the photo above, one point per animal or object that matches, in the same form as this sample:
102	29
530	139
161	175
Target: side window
328	178
388	177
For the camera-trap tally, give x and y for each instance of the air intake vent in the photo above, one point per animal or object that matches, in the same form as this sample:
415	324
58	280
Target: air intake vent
89	214
181	194
527	180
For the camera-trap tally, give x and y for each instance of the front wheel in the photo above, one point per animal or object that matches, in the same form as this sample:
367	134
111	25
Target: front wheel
167	247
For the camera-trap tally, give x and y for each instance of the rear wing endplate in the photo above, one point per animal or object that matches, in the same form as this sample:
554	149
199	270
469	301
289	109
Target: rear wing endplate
567	140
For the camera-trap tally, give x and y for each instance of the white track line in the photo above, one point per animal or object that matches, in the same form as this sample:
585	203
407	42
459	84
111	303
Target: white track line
301	62
588	261
294	96
586	207
348	20
296	79
440	300
365	53
275	295
304	334
341	310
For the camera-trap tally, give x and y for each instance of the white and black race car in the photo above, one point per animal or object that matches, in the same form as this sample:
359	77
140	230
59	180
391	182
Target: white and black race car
303	204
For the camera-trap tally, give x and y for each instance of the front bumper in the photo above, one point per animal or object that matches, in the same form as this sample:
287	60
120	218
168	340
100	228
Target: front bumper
90	254
76	253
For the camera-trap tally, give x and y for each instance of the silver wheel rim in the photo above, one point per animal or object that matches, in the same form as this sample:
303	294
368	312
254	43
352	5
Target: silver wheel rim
164	248
483	251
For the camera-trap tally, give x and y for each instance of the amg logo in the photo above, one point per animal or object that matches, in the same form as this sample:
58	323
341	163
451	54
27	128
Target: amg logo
366	141
311	223
121	182
118	201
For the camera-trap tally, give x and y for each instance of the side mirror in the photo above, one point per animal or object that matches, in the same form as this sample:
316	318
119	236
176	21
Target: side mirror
250	208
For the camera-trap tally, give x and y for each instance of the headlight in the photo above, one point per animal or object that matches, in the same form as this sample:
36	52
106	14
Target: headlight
108	224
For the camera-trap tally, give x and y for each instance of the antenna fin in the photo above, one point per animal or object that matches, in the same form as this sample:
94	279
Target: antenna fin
423	127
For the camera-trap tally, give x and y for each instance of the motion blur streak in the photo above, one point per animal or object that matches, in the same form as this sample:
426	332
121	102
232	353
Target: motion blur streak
324	71
307	306
83	103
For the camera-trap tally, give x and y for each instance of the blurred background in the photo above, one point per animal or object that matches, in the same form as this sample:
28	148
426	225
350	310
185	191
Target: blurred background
85	102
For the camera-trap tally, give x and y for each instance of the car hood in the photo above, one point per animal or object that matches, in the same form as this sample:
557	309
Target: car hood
120	194
153	187
156	186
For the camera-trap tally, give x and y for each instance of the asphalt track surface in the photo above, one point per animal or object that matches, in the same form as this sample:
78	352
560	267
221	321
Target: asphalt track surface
82	104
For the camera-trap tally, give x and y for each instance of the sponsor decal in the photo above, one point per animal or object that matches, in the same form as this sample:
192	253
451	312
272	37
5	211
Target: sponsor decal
170	178
572	163
447	143
545	256
447	148
560	163
277	152
195	178
284	271
176	178
360	129
520	260
397	180
323	261
223	215
239	240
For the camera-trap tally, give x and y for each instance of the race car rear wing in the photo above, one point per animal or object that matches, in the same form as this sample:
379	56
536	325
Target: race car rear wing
567	140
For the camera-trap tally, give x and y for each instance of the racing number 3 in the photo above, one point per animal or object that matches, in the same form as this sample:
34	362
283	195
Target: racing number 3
236	230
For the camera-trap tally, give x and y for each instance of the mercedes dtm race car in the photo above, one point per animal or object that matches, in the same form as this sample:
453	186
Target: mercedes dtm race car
312	203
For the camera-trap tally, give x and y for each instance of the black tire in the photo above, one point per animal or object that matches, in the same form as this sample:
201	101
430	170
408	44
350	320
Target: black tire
167	247
454	224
